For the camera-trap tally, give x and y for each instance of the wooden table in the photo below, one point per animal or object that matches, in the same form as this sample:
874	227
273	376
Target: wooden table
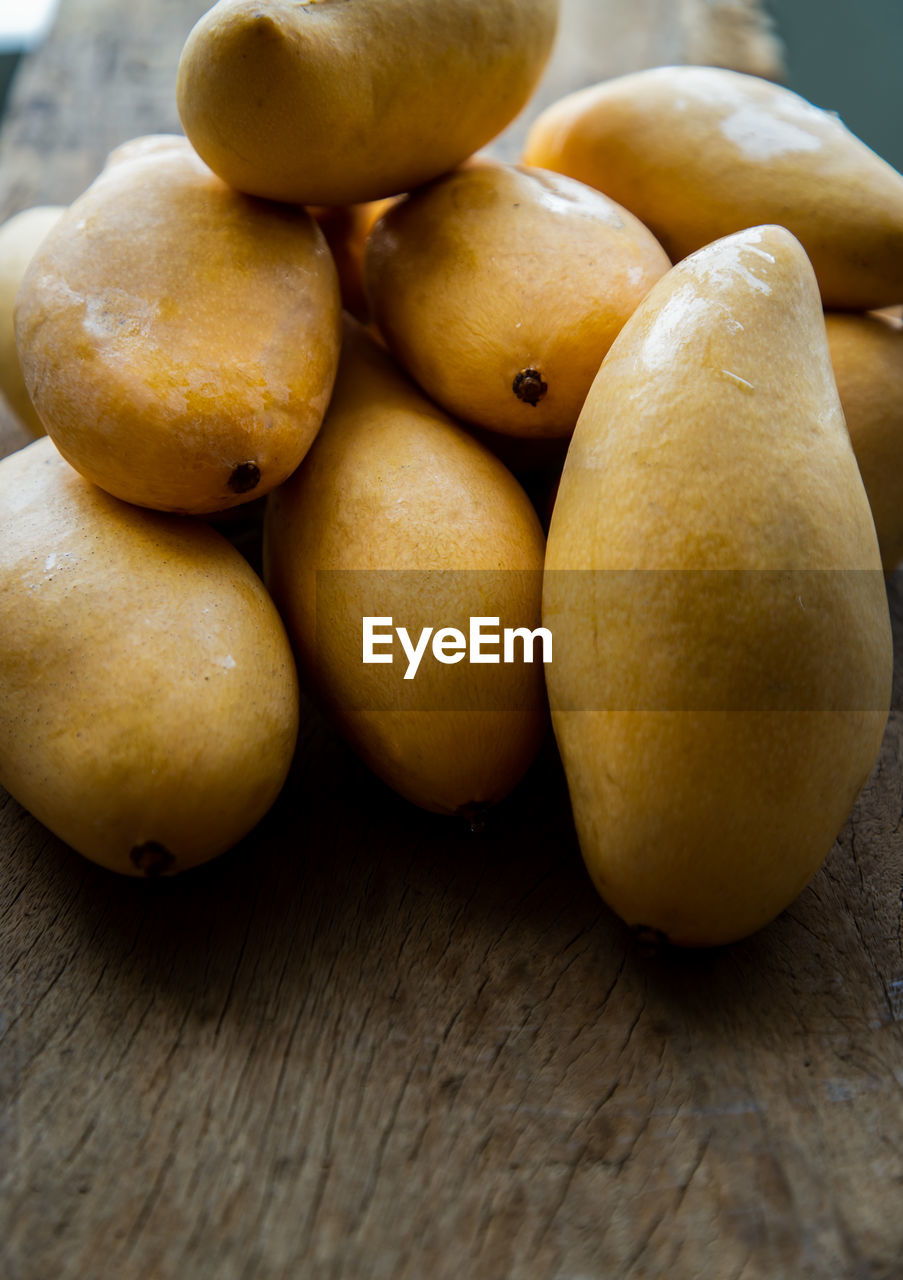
369	1043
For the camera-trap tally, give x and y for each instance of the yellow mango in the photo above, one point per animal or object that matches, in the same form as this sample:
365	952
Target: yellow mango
500	288
179	340
700	152
398	514
19	238
148	696
867	358
723	650
322	102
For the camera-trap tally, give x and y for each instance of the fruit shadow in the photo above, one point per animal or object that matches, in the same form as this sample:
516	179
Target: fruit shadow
346	892
895	603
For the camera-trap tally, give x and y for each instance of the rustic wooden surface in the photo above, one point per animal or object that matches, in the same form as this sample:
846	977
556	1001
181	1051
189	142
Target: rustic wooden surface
370	1044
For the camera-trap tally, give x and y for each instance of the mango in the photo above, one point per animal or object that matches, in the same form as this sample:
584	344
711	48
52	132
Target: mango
867	358
330	103
500	288
20	235
723	650
148	696
398	515
700	152
179	340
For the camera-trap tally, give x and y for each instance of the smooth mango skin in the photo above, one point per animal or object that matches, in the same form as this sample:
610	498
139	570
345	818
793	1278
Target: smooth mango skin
20	236
179	340
867	358
720	701
500	288
338	102
148	696
700	152
397	512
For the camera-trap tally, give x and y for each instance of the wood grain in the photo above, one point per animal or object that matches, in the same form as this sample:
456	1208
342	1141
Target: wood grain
369	1043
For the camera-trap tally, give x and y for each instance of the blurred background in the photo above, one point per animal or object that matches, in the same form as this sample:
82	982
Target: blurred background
845	55
23	25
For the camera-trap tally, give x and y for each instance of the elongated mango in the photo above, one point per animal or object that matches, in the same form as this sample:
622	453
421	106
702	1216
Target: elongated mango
330	102
148	696
700	152
400	517
723	664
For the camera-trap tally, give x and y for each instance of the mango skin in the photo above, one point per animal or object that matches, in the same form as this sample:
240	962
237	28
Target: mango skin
867	358
500	288
720	701
700	152
179	340
148	695
327	102
20	236
398	512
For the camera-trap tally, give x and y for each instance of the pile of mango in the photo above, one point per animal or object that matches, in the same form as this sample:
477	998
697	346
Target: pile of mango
683	294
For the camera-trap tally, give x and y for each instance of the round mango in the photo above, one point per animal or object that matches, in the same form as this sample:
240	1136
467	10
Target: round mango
179	339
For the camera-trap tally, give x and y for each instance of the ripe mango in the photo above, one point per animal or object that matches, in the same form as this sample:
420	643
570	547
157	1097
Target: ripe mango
723	665
500	288
324	102
867	358
179	340
398	513
19	238
148	697
700	152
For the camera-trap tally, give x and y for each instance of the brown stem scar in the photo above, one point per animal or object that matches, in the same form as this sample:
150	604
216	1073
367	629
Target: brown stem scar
244	477
649	940
528	386
153	858
475	815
